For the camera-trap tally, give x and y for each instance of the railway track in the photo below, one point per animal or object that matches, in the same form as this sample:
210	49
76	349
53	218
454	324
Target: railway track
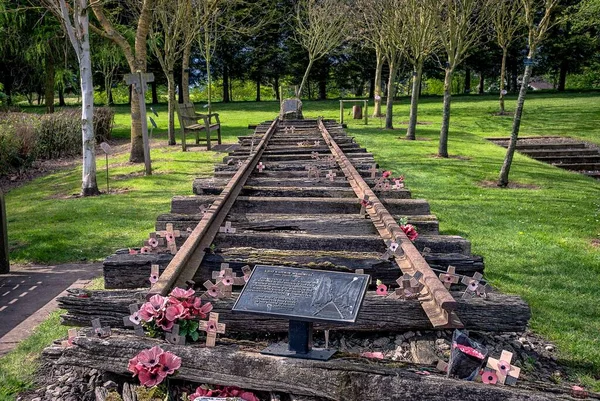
283	216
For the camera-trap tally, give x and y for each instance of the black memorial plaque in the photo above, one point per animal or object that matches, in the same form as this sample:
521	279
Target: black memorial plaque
303	294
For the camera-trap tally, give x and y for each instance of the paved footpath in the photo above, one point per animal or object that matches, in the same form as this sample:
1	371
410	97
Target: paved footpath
27	296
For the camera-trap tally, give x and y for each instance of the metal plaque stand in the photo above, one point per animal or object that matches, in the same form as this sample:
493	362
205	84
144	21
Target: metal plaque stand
300	336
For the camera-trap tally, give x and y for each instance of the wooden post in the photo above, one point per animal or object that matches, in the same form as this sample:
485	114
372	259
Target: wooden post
366	112
140	81
341	111
4	260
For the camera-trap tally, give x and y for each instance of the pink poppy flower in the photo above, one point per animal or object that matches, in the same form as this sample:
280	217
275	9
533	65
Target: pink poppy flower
410	231
228	281
386	174
203	310
170	237
202	392
248	396
180	293
145	249
153	242
147	312
150	377
169	363
489	377
132	251
176	311
165	324
149	358
372	355
134	366
157	302
382	289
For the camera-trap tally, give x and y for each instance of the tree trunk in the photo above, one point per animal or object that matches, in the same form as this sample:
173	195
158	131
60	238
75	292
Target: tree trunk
276	89
154	92
209	81
414	101
61	97
377	89
514	134
107	89
137	144
502	78
111	101
226	98
49	85
258	89
171	106
305	78
89	186
443	148
467	89
481	83
322	90
562	76
391	89
185	72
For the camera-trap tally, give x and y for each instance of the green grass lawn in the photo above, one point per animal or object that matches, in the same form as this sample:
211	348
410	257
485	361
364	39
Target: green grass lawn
536	242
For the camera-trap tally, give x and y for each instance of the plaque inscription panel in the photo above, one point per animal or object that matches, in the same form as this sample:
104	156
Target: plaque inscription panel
303	294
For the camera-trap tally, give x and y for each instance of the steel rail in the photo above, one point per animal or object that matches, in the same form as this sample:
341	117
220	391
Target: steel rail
187	260
435	299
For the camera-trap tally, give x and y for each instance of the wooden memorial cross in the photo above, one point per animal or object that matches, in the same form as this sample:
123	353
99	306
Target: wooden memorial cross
154	242
214	290
227	229
240	163
364	203
212	327
170	234
313	172
228	278
331	175
260	167
317	143
474	286
173	337
331	160
450	277
373	170
398	182
204	209
247	271
393	247
410	286
314	155
506	373
134	320
98	330
72	333
140	81
154	273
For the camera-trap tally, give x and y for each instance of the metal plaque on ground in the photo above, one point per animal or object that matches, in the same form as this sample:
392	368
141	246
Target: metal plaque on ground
303	294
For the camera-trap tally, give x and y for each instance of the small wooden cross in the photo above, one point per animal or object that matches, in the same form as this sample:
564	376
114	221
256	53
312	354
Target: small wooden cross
154	241
286	130
227	228
474	286
72	333
373	170
212	327
379	184
331	175
146	249
393	247
449	277
317	143
173	337
398	182
170	234
332	161
204	209
240	163
507	373
314	155
260	167
313	172
247	271
134	320
293	129
154	273
214	290
98	330
364	203
228	278
410	286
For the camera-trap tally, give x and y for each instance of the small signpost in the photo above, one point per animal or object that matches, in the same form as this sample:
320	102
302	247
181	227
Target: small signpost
4	260
140	81
303	296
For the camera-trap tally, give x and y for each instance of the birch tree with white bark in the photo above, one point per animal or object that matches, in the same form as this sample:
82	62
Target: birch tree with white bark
538	19
75	21
459	25
421	41
507	21
321	26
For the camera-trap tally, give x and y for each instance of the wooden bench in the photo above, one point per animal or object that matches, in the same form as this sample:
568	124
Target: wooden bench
194	123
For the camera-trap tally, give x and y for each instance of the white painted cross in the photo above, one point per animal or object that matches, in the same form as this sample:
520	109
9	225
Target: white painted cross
331	175
260	167
227	228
